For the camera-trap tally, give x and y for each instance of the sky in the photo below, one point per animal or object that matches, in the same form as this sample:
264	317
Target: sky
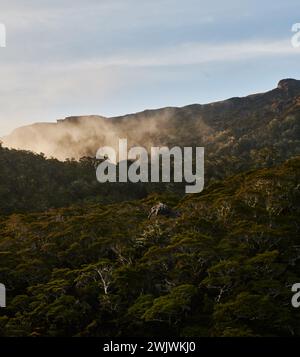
113	57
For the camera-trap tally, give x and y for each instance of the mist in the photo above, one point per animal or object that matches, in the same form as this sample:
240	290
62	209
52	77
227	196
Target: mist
79	136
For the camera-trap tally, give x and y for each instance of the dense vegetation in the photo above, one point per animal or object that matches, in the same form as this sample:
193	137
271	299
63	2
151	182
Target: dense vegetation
223	267
81	258
30	182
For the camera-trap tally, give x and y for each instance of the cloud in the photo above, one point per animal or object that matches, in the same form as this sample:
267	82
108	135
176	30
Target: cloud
38	91
76	57
198	53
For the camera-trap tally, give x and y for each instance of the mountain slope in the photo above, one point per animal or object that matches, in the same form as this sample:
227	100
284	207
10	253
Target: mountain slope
237	126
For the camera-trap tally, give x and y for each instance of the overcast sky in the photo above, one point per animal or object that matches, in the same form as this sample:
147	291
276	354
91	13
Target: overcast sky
112	57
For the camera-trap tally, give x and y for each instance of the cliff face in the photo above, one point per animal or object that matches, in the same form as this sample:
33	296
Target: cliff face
268	120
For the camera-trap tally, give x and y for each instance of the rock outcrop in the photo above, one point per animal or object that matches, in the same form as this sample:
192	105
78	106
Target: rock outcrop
162	209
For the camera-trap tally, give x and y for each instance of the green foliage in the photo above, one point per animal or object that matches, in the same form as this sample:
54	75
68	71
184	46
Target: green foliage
223	267
30	182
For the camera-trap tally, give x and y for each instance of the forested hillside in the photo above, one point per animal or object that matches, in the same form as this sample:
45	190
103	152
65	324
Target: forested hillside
80	258
30	182
222	267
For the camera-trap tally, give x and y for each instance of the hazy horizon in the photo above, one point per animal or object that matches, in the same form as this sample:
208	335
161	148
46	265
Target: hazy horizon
112	58
55	120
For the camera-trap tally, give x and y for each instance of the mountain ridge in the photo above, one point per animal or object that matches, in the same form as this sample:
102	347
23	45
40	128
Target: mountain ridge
78	136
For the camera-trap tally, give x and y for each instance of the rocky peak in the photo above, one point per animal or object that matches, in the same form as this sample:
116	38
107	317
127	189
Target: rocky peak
289	84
